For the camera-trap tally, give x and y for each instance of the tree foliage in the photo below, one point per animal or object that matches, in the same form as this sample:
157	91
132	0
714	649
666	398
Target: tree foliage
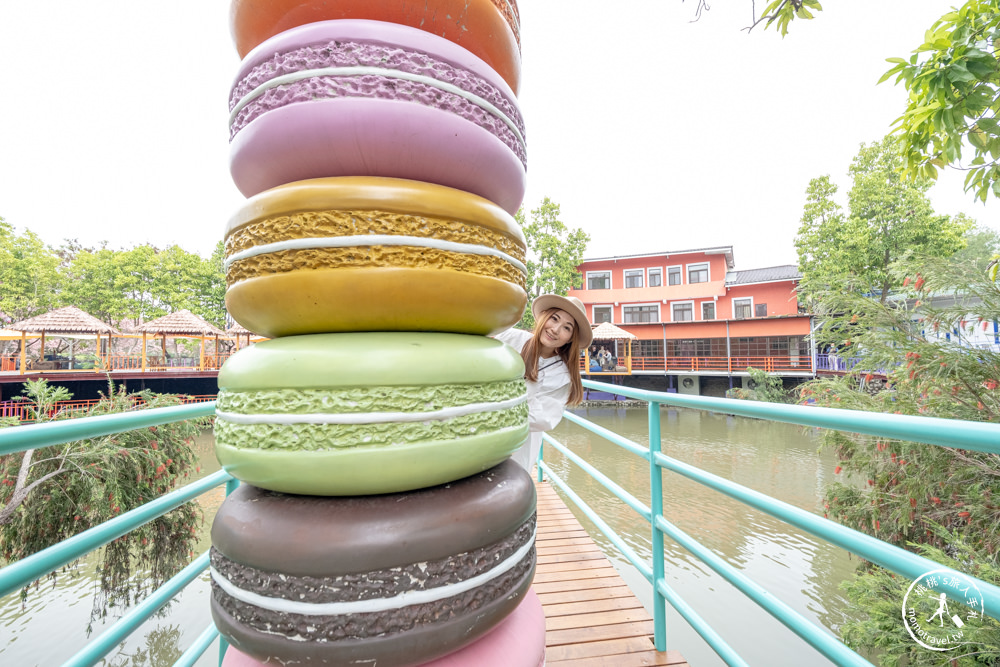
887	217
780	13
554	253
143	283
940	501
51	494
116	286
29	277
953	82
763	387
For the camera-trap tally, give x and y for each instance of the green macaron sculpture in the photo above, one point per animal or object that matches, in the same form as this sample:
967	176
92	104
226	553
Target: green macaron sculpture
368	413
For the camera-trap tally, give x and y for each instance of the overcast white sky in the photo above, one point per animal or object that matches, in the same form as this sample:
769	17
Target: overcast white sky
651	131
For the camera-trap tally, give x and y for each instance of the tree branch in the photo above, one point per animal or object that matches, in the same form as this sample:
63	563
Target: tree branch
21	494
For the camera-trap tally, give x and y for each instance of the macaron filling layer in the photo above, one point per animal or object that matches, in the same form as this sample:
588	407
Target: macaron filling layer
322	419
345	69
351	239
373	604
381	590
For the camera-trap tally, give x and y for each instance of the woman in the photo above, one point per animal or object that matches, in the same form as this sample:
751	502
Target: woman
551	365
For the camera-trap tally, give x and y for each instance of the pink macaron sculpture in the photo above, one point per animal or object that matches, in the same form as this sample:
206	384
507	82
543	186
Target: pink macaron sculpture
367	98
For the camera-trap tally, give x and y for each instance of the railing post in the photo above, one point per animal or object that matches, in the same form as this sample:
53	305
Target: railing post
656	507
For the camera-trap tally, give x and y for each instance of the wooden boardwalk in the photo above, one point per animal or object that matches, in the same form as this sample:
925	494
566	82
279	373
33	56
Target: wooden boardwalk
592	618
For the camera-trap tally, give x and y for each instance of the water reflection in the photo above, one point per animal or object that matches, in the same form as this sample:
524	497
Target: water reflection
779	460
776	459
51	624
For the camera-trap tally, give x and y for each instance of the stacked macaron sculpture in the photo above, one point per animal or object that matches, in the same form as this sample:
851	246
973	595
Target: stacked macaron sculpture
380	520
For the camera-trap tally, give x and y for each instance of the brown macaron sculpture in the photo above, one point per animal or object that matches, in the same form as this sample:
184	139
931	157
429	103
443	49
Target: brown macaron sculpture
380	520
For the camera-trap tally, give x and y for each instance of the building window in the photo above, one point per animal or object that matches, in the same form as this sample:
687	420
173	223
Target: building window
602	314
633	278
742	308
647	348
682	312
673	275
708	310
599	280
697	273
640	314
760	310
655	277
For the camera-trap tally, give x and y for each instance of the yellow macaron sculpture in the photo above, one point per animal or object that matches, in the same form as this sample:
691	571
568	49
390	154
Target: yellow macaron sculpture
380	519
373	254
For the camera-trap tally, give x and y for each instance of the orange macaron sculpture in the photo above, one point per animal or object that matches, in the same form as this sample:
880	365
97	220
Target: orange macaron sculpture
373	254
490	29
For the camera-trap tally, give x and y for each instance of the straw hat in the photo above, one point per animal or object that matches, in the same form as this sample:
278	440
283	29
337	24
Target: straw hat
571	305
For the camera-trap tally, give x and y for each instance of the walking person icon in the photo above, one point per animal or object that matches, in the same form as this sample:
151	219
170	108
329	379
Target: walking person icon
941	610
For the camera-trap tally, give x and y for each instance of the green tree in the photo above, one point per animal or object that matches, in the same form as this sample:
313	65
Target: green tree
208	284
953	85
938	501
29	276
822	240
887	218
144	282
54	493
763	387
982	244
92	286
554	253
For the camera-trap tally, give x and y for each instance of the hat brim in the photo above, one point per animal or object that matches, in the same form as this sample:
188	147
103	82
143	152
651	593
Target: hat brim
547	301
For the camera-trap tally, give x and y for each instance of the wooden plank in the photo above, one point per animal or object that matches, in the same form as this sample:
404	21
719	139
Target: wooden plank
593	619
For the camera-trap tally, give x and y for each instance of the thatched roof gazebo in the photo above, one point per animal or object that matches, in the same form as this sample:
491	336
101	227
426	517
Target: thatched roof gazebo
68	321
607	331
238	330
179	324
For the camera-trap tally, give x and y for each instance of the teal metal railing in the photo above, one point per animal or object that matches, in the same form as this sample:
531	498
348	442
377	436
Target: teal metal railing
21	573
943	432
966	435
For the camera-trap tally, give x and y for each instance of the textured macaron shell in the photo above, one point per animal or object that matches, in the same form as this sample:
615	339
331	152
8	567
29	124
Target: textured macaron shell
369	359
342	98
373	254
307	535
358	414
518	641
490	29
395	579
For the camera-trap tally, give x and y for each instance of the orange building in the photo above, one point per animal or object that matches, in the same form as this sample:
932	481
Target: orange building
698	322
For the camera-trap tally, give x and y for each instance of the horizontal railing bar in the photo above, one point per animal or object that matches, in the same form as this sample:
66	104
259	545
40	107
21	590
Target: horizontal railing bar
622	495
832	648
127	624
978	436
23	572
601	525
198	648
608	435
706	631
894	558
21	438
713	639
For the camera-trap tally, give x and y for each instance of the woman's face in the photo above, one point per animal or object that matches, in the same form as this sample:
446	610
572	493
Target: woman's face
557	331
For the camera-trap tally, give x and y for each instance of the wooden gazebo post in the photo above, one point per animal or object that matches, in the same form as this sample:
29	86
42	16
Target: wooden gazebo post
143	351
24	352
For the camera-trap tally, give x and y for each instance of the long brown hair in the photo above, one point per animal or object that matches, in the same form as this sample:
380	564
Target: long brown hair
569	353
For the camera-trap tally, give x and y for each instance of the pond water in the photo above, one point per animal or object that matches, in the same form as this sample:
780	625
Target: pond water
776	459
779	460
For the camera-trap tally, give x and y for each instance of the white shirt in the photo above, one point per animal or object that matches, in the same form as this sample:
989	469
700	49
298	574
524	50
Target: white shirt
547	396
